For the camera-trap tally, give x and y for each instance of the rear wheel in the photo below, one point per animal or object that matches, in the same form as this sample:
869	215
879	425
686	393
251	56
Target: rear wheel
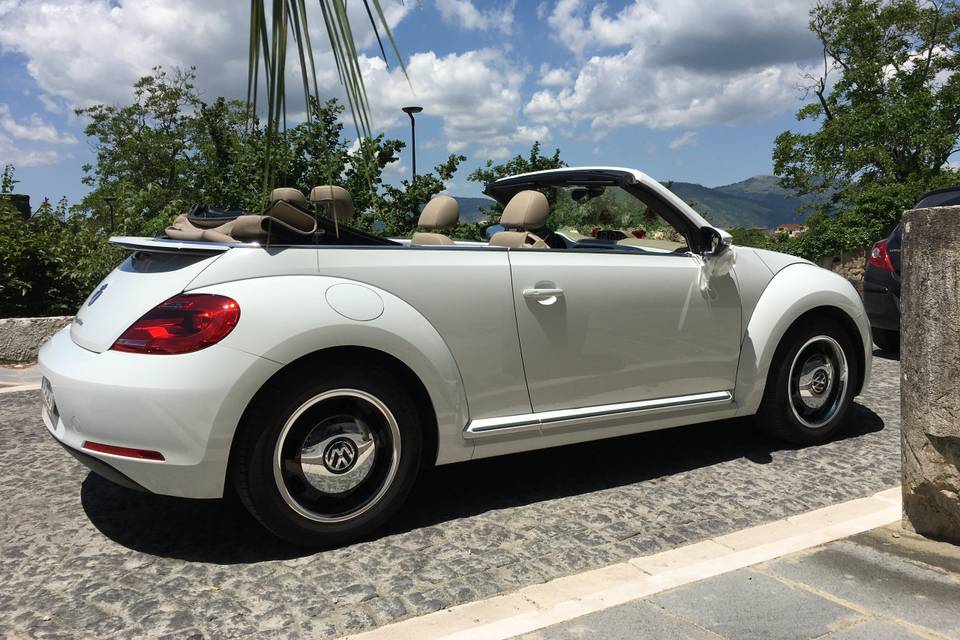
325	458
810	384
886	340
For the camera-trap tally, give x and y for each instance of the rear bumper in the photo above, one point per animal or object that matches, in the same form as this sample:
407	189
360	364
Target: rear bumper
187	407
98	466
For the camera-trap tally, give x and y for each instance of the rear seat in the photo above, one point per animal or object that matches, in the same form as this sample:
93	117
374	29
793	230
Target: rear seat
334	202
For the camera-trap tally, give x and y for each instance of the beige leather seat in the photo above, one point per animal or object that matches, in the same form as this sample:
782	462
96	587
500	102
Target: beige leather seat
442	212
333	202
288	194
526	210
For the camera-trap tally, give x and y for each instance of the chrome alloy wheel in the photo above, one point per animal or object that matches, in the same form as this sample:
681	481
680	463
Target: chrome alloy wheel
818	381
337	455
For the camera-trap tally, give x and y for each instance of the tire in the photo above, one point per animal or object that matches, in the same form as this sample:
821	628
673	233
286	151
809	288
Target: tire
886	340
360	432
813	414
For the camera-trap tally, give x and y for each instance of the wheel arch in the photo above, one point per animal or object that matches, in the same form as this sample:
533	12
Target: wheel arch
794	295
332	356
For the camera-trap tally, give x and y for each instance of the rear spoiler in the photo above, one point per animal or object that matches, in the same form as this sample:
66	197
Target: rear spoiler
166	245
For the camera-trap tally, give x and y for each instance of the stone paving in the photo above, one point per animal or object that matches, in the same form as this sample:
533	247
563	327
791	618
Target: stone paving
885	584
14	375
80	557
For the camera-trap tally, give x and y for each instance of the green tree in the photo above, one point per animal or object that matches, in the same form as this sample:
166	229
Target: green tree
533	161
49	263
144	153
7	181
887	104
169	150
395	211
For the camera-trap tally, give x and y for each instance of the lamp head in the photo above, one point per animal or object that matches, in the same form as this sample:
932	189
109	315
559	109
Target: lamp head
412	110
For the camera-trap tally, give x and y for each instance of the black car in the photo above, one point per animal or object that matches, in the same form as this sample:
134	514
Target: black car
881	280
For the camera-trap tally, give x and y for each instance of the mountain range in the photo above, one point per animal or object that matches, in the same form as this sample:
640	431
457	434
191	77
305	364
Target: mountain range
759	201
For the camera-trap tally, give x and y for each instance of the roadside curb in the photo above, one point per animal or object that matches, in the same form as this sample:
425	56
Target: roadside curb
21	338
20	387
543	605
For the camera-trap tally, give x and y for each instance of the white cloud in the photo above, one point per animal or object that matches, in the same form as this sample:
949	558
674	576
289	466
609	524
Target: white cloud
397	169
687	139
464	14
12	154
92	51
681	63
476	93
691	32
493	153
555	77
34	129
614	91
52	105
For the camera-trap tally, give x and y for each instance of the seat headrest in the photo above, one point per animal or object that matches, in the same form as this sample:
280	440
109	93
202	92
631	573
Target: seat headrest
442	212
287	194
335	200
526	210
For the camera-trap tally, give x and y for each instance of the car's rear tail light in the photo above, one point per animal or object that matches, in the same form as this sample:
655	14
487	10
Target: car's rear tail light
126	452
880	257
182	324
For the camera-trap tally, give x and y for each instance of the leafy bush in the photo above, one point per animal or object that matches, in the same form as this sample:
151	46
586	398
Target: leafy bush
49	263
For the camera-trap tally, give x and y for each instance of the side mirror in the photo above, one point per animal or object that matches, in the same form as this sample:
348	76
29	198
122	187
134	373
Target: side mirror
713	242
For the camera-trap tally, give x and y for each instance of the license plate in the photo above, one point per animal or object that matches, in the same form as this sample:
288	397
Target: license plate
46	392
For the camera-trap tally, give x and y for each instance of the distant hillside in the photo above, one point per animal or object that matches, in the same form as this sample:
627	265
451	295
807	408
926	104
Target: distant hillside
474	209
759	201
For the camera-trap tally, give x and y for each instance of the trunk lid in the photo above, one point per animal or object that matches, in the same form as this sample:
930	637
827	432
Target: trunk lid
141	282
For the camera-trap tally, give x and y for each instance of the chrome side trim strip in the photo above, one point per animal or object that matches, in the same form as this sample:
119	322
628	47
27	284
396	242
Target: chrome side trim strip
500	425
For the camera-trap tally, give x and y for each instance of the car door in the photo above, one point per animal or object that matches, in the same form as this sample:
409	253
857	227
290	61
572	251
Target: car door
607	327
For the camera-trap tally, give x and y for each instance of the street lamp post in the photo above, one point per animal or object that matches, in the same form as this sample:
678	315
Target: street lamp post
413	135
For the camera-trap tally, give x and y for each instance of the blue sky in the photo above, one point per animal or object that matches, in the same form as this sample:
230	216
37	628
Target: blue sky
681	89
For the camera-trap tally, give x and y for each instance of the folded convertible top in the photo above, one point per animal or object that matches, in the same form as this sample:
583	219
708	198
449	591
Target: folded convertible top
282	222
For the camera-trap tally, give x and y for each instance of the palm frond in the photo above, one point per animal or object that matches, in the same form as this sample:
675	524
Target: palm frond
268	45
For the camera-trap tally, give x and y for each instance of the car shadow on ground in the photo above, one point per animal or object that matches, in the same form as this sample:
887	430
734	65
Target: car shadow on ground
886	355
221	531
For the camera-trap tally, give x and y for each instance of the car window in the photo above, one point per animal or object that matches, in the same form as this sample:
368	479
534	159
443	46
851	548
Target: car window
611	218
940	198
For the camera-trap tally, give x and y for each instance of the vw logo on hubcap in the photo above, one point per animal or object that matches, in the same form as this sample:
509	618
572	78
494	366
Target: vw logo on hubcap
340	455
820	381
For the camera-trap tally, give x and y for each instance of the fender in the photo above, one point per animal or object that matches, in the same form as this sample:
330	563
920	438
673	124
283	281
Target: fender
793	291
283	318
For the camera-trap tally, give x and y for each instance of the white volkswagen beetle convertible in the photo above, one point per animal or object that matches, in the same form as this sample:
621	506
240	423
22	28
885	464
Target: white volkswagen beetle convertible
316	369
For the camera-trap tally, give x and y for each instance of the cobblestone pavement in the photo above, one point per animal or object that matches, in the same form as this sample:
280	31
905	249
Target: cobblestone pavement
15	375
82	557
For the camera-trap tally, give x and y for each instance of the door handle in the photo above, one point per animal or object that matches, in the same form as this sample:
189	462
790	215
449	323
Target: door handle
542	294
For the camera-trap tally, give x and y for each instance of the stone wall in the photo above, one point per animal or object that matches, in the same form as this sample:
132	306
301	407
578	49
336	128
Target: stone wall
930	372
849	265
21	338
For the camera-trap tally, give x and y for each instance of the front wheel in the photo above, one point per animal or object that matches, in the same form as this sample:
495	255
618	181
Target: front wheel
324	458
810	384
